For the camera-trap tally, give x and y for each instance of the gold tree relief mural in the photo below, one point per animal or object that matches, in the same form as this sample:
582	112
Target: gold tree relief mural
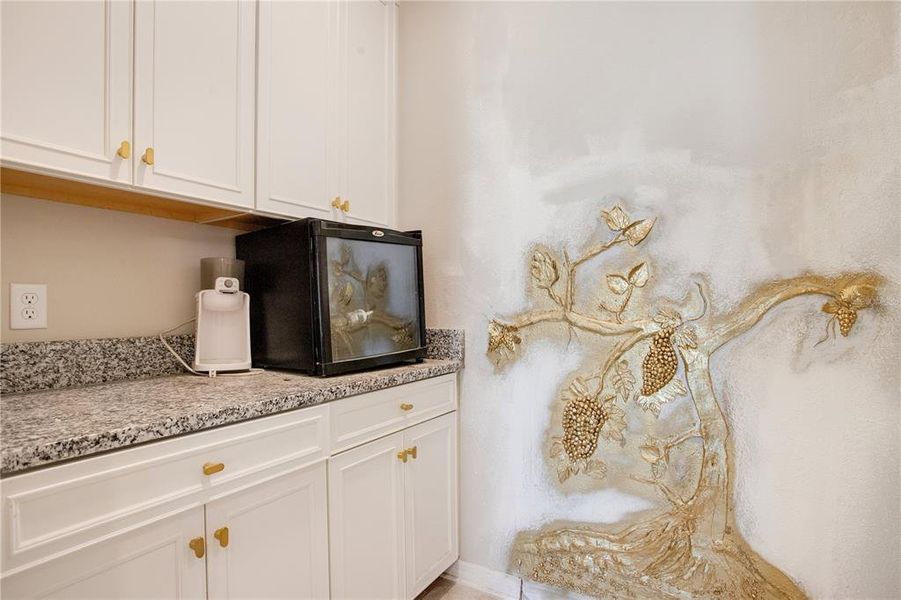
692	549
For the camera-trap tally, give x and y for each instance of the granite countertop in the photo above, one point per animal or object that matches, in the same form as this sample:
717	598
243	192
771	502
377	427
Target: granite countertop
69	399
43	427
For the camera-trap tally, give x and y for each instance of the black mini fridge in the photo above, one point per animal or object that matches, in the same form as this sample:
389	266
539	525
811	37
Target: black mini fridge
329	298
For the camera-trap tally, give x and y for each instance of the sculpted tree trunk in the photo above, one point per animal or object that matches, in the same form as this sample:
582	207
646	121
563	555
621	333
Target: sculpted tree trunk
693	549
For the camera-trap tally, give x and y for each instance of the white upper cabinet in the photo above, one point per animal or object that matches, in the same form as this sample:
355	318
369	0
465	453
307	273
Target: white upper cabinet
368	97
194	99
326	110
66	86
294	115
297	108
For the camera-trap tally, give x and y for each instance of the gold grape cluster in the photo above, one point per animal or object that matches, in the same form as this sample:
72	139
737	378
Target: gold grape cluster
659	366
583	418
846	316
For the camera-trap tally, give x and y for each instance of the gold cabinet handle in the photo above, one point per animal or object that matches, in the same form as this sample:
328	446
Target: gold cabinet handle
148	156
198	546
221	534
402	456
406	406
343	206
212	468
124	150
411	452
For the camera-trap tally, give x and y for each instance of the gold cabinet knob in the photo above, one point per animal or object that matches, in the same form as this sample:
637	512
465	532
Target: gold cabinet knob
221	534
198	546
212	468
147	157
343	206
406	406
411	452
402	456
124	150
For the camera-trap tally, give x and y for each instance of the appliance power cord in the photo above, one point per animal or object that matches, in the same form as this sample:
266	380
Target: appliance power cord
188	368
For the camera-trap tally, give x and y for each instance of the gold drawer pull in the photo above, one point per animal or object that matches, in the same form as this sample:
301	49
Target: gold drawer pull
148	156
198	546
402	456
221	534
411	452
212	468
124	150
406	406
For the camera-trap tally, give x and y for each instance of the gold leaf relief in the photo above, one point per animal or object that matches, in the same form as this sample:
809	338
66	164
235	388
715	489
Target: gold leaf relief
692	550
639	275
638	231
615	218
623	381
617	284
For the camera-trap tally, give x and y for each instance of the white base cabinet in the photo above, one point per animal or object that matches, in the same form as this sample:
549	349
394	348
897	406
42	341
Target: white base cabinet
271	540
393	512
430	502
356	498
366	521
150	562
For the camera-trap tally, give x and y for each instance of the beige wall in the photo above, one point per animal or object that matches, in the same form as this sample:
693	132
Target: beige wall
108	273
766	137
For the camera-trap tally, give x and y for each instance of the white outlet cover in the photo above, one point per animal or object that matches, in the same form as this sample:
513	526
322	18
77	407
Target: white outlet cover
28	306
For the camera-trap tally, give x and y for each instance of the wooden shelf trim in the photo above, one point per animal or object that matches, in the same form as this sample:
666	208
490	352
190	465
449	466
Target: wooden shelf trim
46	187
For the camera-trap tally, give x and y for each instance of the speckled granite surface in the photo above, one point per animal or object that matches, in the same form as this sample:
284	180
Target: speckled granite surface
39	428
43	427
52	365
446	344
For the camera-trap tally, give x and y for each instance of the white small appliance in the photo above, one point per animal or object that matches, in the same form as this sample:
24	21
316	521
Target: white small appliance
223	328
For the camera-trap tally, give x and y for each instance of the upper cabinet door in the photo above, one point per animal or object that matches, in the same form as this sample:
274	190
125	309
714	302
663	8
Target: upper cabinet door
368	154
66	94
297	108
194	98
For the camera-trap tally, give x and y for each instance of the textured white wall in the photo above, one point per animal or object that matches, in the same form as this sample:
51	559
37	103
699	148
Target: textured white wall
767	139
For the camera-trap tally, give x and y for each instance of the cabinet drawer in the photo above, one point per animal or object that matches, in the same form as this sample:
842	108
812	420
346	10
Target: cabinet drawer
360	419
57	509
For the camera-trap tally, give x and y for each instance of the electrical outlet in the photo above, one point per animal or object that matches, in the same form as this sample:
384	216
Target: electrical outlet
28	306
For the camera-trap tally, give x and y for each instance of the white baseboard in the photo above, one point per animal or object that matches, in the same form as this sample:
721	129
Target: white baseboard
503	585
537	591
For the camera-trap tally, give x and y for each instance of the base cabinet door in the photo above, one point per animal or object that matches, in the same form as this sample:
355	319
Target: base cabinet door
154	561
271	540
430	490
66	94
366	512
